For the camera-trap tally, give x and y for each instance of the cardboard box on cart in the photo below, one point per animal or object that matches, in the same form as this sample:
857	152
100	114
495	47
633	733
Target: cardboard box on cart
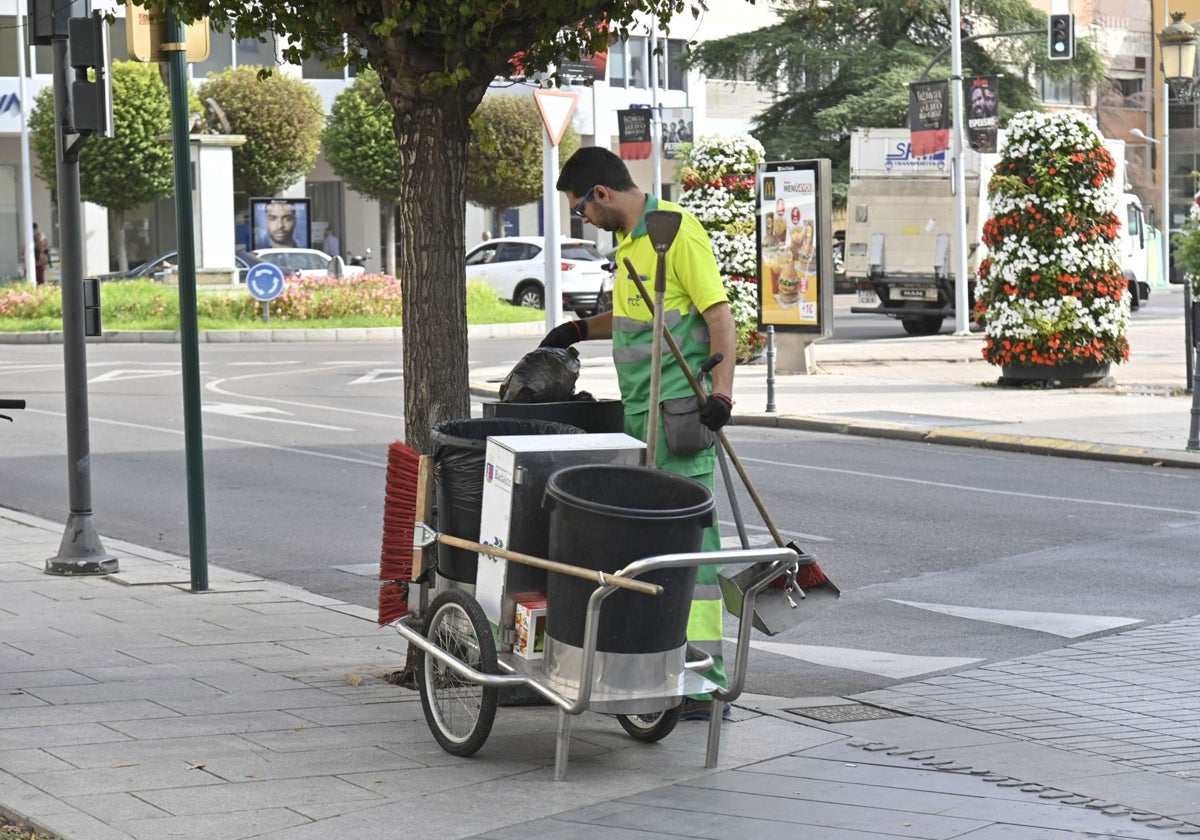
516	470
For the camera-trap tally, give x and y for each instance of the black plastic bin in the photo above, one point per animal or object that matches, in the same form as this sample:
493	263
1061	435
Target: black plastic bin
594	416
604	517
459	450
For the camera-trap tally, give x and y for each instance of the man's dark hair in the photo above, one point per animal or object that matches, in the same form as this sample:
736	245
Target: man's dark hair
591	166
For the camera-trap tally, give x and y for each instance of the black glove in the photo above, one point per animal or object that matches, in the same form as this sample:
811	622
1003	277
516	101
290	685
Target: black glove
566	334
716	411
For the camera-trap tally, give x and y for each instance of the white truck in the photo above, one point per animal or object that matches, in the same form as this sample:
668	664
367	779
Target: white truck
900	227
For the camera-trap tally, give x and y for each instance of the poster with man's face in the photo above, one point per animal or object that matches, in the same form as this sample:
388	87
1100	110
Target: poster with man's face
983	112
280	223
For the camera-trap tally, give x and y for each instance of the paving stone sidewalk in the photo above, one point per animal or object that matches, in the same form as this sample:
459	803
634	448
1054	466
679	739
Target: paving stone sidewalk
134	708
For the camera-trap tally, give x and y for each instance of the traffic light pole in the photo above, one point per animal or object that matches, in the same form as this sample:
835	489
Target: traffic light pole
189	332
80	552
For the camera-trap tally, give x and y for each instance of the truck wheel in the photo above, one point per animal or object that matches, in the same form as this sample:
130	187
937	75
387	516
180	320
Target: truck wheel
925	325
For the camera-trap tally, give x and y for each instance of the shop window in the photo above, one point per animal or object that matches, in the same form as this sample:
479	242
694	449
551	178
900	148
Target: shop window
1064	92
10	40
257	51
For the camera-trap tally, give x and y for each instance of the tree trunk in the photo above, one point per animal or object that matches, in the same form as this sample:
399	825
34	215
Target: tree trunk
122	246
432	130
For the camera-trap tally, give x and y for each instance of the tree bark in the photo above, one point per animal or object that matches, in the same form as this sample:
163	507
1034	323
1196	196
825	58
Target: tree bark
432	130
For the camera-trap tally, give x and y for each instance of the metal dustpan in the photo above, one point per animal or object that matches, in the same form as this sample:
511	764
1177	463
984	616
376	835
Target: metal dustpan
661	227
777	608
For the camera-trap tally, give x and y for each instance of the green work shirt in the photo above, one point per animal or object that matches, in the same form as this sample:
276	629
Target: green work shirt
693	285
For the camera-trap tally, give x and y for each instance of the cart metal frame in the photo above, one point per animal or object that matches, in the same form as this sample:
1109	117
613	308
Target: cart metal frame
776	562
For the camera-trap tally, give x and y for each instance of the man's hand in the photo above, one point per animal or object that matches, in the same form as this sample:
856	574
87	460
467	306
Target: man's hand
566	334
716	411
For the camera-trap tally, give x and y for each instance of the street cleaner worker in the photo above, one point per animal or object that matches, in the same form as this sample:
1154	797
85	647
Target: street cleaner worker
599	189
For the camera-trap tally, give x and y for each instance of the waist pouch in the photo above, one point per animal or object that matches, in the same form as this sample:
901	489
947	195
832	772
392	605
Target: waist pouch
684	432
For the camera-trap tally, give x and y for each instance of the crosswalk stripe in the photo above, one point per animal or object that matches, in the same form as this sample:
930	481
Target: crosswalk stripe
1066	625
880	663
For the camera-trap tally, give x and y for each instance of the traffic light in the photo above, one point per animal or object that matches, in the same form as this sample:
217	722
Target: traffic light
1062	37
91	90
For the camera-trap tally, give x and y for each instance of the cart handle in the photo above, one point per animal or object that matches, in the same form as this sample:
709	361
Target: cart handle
731	557
601	578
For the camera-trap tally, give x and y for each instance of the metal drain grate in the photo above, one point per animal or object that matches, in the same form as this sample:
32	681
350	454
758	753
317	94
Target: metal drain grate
844	713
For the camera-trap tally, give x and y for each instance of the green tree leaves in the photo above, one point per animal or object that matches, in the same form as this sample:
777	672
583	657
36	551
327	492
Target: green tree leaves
281	117
504	157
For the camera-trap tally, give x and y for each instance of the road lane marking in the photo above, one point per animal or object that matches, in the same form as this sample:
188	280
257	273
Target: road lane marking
217	387
762	535
378	375
949	486
881	663
381	463
255	412
1066	625
131	373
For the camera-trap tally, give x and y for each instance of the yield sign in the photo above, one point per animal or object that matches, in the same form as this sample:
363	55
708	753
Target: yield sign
556	107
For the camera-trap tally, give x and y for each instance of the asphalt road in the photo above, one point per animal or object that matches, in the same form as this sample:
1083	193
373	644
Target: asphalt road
945	556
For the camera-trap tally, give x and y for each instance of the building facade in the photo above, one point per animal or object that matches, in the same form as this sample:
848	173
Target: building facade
1123	30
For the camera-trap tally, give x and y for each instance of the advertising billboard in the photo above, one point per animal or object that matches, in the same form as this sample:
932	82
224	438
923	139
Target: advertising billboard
795	269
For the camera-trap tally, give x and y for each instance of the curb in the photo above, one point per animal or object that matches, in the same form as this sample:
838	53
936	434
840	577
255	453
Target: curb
1060	447
1029	444
523	329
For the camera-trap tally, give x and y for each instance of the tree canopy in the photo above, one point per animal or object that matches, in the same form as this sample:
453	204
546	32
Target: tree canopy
131	168
360	145
281	117
435	61
504	159
844	64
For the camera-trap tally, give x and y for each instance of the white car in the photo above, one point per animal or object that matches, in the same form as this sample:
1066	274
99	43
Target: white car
515	266
305	262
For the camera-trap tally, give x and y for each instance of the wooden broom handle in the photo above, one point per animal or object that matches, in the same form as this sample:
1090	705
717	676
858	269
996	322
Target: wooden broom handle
552	566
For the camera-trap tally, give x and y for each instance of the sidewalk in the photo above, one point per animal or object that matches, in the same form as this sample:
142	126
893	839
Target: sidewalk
134	708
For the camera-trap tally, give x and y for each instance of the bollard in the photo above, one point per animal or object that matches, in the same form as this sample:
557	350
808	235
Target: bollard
1193	441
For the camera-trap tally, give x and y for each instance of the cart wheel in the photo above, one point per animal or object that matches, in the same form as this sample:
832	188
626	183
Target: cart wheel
651	728
459	712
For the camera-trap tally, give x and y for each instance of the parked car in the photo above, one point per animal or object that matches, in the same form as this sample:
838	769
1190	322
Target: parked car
157	268
306	262
515	266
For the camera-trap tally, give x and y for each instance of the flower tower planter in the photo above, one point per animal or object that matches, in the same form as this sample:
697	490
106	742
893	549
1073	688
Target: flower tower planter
717	175
1051	295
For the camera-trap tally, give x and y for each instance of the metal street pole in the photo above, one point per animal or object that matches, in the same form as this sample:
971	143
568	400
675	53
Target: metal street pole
957	176
189	331
655	109
80	552
26	235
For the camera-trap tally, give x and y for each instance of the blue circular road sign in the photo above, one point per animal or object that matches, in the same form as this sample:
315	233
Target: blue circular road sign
265	281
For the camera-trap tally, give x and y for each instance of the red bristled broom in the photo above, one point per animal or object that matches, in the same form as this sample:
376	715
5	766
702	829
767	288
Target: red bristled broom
403	494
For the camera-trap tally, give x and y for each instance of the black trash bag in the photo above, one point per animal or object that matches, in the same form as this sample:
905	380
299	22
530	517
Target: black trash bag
546	374
459	456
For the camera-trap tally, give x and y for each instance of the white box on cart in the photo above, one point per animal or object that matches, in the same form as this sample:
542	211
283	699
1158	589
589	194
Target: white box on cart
516	470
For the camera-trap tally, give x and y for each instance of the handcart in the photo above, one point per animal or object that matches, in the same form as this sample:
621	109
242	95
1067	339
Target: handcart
639	588
460	673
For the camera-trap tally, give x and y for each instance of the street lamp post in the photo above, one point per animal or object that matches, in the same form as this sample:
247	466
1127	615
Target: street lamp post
1177	45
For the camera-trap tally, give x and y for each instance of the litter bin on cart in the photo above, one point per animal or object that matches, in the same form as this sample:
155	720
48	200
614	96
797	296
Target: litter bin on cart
604	517
593	416
459	449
